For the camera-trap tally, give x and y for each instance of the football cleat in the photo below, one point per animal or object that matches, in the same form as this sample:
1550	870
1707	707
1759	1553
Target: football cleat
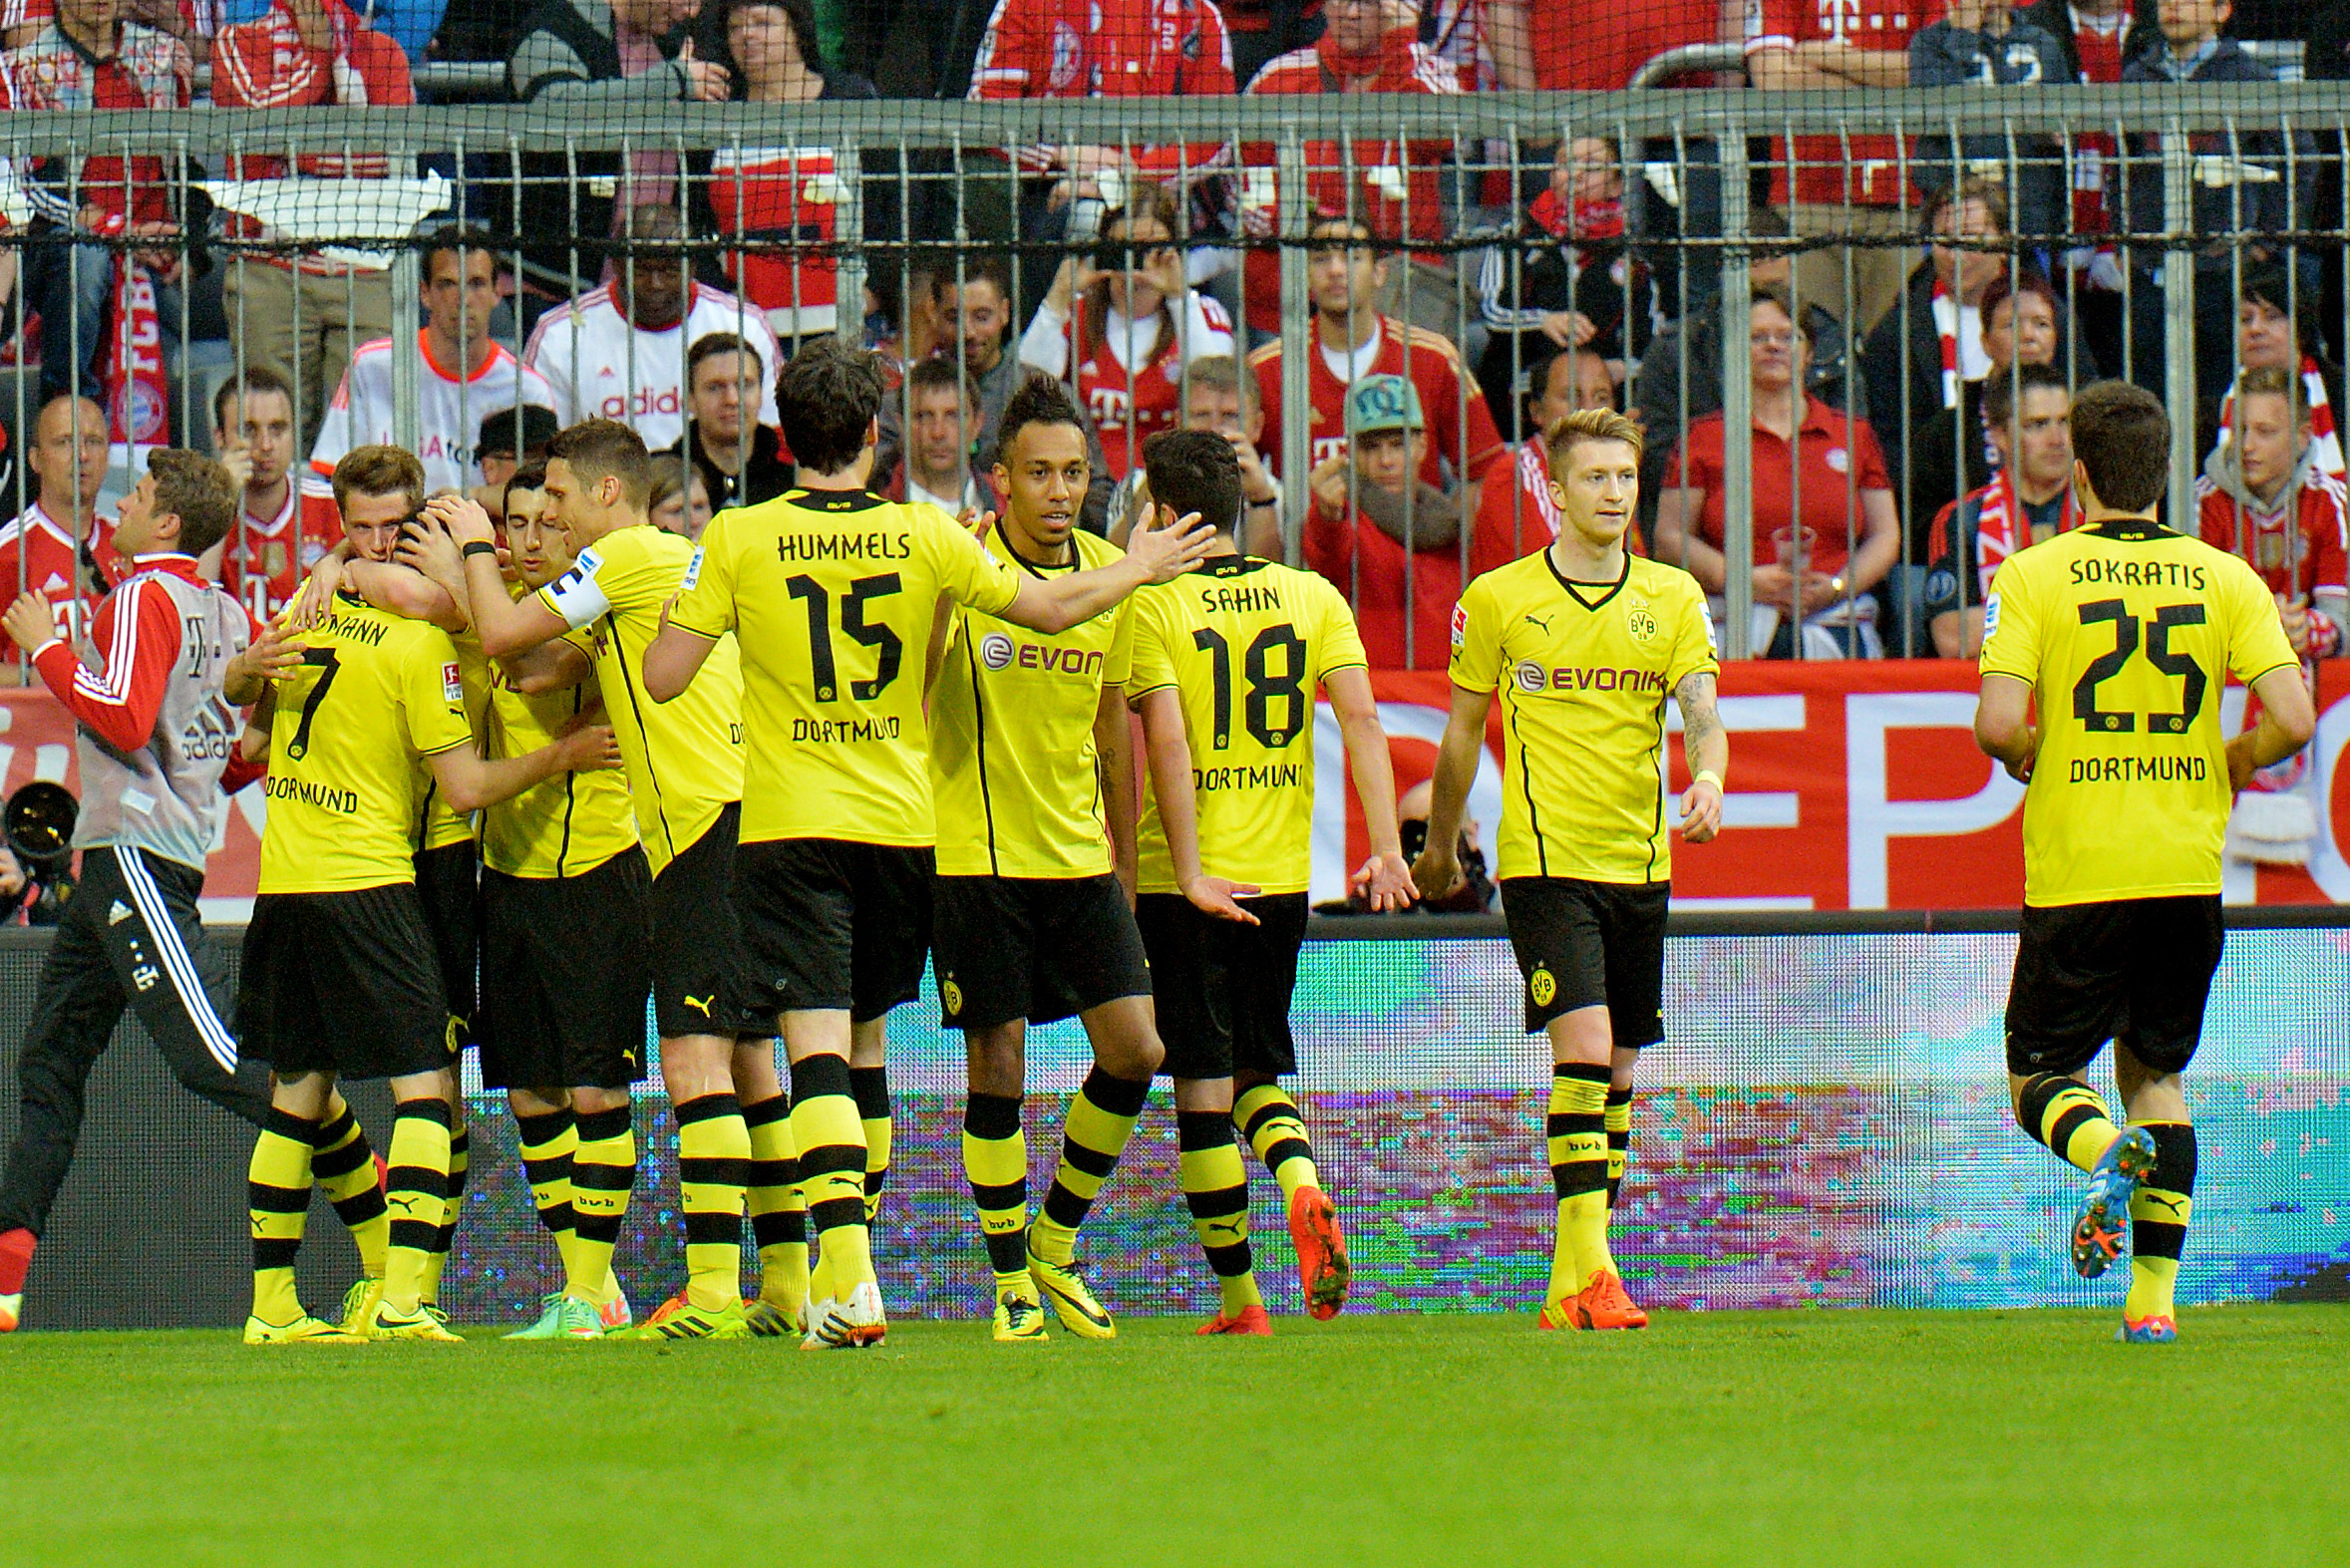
854	1324
1064	1285
426	1324
771	1320
16	1258
1322	1268
2156	1329
563	1317
615	1313
1252	1321
1602	1304
2101	1222
1557	1315
12	1310
1019	1319
679	1319
304	1330
359	1305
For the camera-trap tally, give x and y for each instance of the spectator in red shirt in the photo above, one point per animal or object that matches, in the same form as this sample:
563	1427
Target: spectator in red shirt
1561	45
278	533
1263	29
1350	339
88	58
60	547
1399	548
305	54
1220	396
1839	187
1817	556
2266	496
1369	45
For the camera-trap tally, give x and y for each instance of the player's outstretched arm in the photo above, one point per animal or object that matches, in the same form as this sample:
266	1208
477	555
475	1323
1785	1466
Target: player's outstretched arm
2287	721
1113	760
1438	870
1707	745
470	782
1159	551
2003	724
267	659
1383	878
507	626
673	658
1169	747
550	667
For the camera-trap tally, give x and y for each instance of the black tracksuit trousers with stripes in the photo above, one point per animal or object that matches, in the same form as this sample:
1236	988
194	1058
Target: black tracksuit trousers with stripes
130	937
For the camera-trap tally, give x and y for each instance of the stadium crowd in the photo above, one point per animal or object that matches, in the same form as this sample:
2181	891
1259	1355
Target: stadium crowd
669	293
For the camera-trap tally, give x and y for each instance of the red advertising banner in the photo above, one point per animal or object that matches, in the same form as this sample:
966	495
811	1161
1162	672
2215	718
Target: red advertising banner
1851	786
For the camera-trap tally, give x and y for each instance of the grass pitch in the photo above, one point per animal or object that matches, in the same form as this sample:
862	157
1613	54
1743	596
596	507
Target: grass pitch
1723	1437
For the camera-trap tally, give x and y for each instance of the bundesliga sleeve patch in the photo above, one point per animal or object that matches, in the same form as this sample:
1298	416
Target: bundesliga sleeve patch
1990	616
693	571
1460	625
452	683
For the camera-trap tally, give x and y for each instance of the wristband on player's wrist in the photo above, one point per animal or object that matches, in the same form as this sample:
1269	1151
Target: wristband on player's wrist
479	547
1707	775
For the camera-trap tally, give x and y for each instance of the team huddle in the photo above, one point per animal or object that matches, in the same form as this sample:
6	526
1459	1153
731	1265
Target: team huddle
524	776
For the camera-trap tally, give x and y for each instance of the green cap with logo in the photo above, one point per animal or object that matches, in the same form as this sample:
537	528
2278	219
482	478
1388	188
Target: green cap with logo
1382	403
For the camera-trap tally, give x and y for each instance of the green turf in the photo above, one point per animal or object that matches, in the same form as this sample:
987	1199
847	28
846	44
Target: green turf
1793	1437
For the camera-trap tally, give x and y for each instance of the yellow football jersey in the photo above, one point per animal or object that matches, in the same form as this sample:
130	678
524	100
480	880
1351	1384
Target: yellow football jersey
1585	671
833	595
1245	643
571	823
2127	633
438	825
1012	757
376	693
684	757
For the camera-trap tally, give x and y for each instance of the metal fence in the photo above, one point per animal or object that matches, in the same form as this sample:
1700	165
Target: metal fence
2147	211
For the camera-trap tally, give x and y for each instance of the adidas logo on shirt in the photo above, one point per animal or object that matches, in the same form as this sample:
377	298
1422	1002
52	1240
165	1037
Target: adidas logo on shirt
116	915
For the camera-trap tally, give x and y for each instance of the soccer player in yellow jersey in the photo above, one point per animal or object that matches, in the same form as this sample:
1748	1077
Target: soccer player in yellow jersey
834	594
1584	642
1032	768
565	969
2122	635
340	978
1225	668
685	775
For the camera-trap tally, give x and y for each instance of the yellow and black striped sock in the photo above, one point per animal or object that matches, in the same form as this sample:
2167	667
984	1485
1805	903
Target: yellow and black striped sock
1270	1121
995	1162
831	1137
277	1191
343	1165
870	1088
604	1169
779	1218
416	1194
2067	1116
713	1167
1619	1117
1101	1119
548	1140
460	1158
1215	1190
2160	1211
1576	1133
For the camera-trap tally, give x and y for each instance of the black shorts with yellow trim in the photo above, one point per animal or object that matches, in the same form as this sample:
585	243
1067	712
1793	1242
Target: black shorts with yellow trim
566	968
830	924
1591	944
1034	948
696	943
2137	970
347	983
1223	989
449	884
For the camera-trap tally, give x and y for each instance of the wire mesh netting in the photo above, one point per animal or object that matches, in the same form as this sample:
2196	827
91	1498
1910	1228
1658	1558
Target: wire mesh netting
1844	263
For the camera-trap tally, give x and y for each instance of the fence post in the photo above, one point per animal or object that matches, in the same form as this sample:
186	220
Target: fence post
2178	319
1733	308
406	322
1297	312
849	234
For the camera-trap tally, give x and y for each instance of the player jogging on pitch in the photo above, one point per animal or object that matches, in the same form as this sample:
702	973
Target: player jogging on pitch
1033	772
1225	668
833	594
1584	642
2122	634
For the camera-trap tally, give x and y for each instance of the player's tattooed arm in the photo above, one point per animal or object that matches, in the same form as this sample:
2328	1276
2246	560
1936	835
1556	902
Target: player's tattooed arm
1707	745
